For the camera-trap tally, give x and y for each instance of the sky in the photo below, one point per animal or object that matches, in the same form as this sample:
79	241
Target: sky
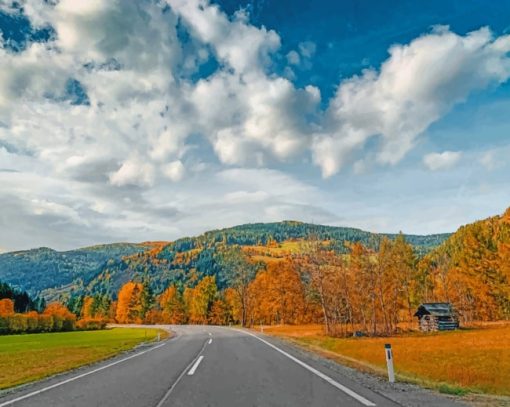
136	120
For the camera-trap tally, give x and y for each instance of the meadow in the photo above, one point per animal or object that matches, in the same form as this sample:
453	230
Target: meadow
25	358
468	360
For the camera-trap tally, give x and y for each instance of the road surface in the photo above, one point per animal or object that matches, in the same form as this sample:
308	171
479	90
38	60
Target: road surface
203	366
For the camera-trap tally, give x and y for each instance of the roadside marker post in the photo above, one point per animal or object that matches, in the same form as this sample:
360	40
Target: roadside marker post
389	363
159	336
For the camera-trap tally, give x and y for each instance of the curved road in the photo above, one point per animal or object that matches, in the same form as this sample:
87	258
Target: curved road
203	366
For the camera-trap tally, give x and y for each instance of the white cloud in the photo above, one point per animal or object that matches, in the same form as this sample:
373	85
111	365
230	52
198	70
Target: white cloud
174	171
105	163
441	161
243	47
493	159
133	171
293	58
418	84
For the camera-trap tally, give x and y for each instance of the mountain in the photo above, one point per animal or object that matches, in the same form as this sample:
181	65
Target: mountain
104	269
43	269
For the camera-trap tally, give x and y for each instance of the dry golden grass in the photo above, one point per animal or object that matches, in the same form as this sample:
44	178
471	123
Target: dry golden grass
473	359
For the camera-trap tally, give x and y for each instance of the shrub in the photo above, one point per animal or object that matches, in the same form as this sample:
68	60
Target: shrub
33	322
17	323
90	324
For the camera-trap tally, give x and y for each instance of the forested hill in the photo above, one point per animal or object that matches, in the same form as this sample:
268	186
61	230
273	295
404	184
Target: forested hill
261	233
472	268
43	268
103	269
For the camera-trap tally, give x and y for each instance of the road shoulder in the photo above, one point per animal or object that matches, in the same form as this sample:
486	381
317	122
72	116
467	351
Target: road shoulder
405	394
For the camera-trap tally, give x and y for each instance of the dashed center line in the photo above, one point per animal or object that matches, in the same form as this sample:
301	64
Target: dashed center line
191	372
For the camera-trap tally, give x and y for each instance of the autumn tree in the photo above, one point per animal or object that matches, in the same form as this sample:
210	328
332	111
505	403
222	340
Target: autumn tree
322	271
129	304
58	309
6	307
87	311
240	272
62	318
200	300
172	306
277	295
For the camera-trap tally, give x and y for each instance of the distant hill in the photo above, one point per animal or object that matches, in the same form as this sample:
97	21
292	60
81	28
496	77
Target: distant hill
103	269
39	270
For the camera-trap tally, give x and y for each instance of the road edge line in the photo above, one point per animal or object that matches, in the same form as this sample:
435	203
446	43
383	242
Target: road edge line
311	369
80	376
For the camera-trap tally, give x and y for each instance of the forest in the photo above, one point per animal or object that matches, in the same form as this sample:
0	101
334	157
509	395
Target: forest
373	290
105	268
287	273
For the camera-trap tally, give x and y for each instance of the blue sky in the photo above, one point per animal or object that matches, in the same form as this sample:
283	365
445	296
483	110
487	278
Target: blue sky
156	119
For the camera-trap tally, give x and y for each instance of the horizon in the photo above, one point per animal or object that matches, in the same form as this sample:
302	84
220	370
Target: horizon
4	251
153	120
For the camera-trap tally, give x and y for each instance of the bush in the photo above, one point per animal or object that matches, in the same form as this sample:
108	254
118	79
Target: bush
33	322
17	323
91	324
45	323
4	326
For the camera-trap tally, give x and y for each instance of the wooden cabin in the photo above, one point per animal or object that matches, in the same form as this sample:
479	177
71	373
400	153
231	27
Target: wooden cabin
437	316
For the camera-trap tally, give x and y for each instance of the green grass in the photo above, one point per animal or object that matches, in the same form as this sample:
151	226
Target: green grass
25	358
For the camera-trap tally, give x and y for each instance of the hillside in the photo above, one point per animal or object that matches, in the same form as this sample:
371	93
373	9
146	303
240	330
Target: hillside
472	269
44	269
103	269
188	260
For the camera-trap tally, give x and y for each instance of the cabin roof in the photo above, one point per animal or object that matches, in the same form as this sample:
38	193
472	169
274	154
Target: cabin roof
435	308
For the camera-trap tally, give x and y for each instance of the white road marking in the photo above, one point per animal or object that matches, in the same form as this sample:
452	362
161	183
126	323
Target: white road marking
172	387
210	341
193	369
72	379
316	372
210	334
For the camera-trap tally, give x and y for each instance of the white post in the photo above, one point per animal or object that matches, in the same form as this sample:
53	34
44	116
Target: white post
159	336
389	363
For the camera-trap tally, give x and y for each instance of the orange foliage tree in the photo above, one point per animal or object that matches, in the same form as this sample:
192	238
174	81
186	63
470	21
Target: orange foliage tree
129	304
276	295
172	307
6	307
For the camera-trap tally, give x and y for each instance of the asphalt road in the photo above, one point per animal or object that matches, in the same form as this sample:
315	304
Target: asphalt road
203	366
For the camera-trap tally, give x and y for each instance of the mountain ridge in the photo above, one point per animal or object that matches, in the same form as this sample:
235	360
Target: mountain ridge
54	273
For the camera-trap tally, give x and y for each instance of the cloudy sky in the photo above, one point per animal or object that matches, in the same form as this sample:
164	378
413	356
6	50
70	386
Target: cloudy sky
133	120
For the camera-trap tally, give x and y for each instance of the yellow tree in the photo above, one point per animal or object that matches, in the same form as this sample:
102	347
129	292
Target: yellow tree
201	299
240	272
129	304
87	308
172	306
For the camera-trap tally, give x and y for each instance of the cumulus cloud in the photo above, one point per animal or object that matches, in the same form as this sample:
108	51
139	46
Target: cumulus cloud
174	170
418	84
109	110
133	171
441	161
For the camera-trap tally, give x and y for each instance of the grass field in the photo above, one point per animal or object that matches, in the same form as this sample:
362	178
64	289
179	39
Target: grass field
476	360
24	358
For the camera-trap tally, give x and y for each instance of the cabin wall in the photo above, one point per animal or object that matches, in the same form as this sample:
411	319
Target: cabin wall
430	323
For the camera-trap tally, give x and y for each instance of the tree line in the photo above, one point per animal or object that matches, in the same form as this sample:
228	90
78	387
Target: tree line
374	291
19	313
